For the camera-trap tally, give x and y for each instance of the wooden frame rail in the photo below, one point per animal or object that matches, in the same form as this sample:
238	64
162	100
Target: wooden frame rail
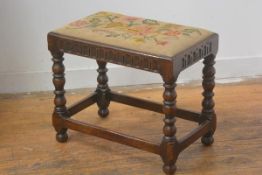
153	106
135	142
132	101
195	134
111	135
132	141
82	104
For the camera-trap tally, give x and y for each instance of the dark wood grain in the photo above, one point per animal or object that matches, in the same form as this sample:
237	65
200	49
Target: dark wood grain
169	152
60	100
102	90
195	134
208	112
112	135
82	104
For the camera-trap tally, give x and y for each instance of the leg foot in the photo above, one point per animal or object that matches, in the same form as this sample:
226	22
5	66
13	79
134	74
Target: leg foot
169	169
207	139
62	137
103	112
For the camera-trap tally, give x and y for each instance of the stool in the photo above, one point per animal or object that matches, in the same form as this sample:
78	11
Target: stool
139	43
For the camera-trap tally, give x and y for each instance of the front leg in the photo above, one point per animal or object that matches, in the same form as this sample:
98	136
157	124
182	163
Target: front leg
103	99
169	149
60	100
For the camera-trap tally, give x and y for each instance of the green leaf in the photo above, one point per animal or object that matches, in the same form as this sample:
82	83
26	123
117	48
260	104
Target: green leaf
150	22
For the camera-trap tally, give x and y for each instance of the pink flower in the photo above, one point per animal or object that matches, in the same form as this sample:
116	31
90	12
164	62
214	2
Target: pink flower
143	30
79	24
172	33
130	18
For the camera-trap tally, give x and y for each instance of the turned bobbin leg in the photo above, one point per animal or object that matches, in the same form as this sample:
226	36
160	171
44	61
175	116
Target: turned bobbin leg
169	152
208	103
60	100
102	90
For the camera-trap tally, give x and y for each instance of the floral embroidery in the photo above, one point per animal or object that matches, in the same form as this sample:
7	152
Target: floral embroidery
141	30
78	24
132	28
172	33
150	22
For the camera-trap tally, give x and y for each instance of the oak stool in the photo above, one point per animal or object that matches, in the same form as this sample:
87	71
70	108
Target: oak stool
139	43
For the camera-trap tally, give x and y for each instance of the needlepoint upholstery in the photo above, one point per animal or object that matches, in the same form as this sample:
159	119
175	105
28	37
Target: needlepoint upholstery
139	34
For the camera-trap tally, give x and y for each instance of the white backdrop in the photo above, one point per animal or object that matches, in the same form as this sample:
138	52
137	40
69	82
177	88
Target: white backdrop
25	62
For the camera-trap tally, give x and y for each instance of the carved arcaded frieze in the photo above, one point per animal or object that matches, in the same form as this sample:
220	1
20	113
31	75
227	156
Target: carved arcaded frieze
110	55
196	54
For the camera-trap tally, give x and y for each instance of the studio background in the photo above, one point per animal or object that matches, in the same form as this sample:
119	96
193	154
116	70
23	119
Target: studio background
25	63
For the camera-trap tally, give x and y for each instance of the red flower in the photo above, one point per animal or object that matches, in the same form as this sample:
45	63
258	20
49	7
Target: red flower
78	24
142	30
130	18
172	33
